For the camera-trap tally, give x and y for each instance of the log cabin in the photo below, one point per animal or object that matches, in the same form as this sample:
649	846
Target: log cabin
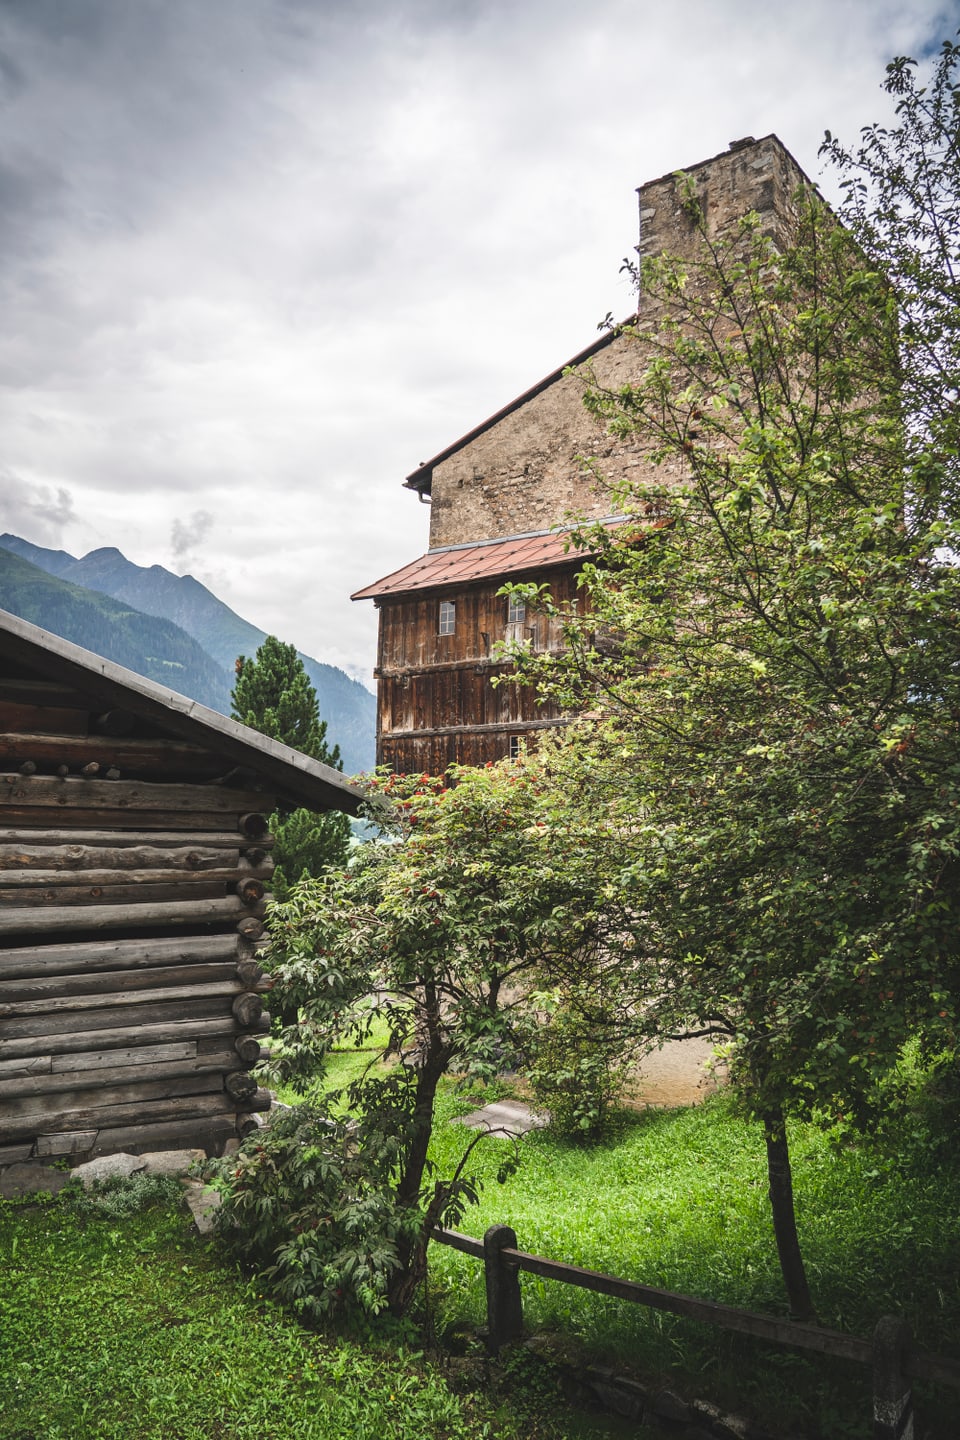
134	863
500	496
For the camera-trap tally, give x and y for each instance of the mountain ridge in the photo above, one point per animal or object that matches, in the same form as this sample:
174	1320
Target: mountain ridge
185	603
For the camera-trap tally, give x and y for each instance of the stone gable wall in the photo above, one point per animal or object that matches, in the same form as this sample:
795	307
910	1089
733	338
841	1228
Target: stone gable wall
529	470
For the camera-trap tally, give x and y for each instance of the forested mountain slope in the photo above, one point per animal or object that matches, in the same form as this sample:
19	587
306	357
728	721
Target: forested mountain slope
217	633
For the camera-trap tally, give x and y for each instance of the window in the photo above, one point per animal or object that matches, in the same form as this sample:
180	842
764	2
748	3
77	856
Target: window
515	744
448	618
516	611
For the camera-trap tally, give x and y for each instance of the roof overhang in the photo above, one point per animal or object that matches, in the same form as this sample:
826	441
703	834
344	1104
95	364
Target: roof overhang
451	566
290	774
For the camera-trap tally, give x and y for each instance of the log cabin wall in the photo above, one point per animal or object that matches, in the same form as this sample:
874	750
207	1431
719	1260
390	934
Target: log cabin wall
132	876
438	704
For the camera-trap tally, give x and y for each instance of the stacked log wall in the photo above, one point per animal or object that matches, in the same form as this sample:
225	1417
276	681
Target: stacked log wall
131	991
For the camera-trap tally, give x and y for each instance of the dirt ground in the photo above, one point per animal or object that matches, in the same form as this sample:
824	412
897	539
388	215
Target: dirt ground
676	1075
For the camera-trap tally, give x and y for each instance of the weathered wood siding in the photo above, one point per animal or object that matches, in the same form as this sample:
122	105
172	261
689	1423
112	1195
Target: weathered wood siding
438	704
132	876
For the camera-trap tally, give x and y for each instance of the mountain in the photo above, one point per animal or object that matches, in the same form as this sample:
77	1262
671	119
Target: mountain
152	647
217	632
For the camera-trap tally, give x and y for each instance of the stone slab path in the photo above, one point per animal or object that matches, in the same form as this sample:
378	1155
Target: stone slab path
507	1118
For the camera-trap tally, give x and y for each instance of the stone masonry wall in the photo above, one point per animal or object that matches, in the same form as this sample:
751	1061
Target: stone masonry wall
527	472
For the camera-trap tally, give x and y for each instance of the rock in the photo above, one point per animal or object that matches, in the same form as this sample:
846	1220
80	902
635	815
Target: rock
105	1167
26	1178
668	1406
508	1118
204	1202
172	1162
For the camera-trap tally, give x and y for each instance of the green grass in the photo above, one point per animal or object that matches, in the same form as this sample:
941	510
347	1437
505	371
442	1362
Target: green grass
123	1325
678	1200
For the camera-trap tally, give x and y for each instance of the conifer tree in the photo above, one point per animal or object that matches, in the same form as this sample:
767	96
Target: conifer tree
273	695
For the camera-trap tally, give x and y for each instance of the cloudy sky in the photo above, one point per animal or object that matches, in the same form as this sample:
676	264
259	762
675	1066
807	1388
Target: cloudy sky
259	258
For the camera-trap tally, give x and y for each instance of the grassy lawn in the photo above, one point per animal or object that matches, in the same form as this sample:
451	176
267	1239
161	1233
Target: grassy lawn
127	1327
678	1200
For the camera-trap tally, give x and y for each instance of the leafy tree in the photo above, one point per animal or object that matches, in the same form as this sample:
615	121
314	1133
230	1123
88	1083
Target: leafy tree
780	718
273	694
439	928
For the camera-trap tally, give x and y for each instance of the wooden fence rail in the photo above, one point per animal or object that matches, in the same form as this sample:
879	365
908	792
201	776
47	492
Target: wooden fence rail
889	1353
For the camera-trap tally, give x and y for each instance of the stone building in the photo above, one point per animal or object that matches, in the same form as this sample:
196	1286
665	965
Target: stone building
500	495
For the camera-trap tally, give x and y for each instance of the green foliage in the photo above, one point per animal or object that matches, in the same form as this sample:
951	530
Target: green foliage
314	1204
437	930
272	694
117	1197
780	715
575	1072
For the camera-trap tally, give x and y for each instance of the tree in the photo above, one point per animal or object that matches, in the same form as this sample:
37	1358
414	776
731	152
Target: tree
273	694
440	928
781	716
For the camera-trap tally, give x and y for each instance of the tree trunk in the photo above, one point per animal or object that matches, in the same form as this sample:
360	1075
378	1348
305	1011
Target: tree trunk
412	1250
784	1217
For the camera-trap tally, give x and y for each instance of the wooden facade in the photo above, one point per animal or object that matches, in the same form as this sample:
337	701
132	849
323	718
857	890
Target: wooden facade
134	862
443	683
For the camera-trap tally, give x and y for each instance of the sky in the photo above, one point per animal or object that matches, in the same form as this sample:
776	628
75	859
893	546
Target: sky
260	258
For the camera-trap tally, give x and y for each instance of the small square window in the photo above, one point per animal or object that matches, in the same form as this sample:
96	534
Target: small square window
516	611
448	618
515	744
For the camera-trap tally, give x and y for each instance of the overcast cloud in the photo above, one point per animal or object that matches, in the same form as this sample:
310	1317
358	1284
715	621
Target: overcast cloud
259	258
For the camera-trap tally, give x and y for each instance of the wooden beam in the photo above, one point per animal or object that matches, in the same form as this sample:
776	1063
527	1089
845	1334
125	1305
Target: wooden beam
82	956
140	757
50	990
127	1035
73	793
74	918
111	838
51	862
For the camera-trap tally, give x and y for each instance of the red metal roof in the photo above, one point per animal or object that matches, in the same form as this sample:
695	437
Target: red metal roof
461	564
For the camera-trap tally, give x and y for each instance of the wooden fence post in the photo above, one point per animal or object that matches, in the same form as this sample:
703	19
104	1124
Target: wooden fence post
892	1395
504	1305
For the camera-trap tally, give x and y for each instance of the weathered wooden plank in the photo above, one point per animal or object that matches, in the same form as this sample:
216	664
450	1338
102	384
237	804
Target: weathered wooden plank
107	982
46	864
136	1055
71	793
141	757
46	694
14	1154
197	1007
26	1066
92	955
229	986
112	839
73	918
28	886
23	1115
24	817
127	1036
97	1117
23	1092
73	1142
141	891
58	720
209	1131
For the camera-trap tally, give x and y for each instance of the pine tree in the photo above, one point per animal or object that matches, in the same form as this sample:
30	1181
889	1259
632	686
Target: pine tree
273	695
